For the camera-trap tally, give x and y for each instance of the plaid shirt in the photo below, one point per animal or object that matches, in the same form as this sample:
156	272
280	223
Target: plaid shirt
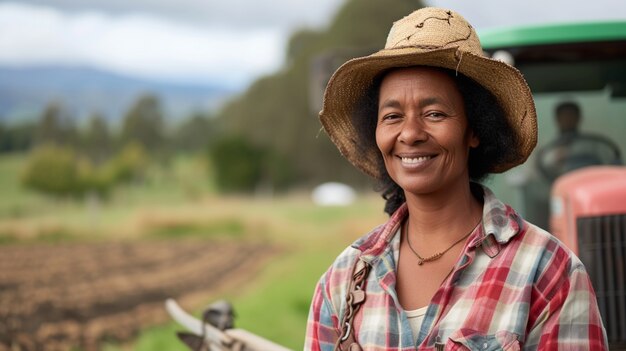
515	286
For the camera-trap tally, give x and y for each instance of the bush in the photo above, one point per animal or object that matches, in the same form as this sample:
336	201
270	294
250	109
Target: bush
240	166
237	164
59	171
94	179
128	166
53	170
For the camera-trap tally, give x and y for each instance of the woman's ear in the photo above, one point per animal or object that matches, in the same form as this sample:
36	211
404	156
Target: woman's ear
473	141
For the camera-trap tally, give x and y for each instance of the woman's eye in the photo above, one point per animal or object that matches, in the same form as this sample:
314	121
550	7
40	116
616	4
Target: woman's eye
390	116
435	115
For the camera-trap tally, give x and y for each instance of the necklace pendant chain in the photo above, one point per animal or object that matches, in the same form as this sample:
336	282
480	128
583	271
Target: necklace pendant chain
420	259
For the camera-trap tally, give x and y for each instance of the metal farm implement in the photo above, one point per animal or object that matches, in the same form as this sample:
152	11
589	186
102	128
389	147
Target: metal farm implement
215	332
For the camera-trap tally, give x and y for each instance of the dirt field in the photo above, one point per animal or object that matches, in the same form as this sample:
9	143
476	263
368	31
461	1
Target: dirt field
55	297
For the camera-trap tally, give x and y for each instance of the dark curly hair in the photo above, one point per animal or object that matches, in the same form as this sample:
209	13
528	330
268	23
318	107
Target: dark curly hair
498	141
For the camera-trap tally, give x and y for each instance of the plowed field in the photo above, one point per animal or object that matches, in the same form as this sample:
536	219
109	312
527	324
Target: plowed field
55	297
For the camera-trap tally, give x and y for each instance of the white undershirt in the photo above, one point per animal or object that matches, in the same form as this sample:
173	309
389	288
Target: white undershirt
416	317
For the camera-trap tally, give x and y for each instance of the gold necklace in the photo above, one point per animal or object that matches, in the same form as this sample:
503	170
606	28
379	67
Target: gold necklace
438	255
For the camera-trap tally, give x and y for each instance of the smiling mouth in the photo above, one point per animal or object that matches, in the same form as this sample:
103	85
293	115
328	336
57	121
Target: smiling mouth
415	160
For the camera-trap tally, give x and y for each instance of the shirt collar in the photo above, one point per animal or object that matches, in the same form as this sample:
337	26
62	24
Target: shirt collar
500	223
372	246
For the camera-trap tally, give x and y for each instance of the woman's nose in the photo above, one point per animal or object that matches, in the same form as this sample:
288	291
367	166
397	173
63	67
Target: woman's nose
413	131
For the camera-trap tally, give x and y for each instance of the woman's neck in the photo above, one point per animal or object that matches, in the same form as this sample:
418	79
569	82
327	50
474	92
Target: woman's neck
444	214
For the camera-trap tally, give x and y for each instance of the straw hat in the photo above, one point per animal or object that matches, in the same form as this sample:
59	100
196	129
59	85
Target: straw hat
430	37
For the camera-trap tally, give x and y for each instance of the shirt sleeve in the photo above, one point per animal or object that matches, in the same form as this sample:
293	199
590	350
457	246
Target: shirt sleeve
567	313
321	331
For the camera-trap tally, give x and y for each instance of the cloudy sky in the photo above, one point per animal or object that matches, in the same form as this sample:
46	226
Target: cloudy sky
231	41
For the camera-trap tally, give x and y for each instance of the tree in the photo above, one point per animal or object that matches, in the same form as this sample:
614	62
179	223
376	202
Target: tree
241	166
195	133
97	140
19	137
143	124
56	126
16	137
49	129
129	165
236	164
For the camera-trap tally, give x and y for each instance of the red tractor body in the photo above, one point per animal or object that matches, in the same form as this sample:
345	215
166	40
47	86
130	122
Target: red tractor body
588	208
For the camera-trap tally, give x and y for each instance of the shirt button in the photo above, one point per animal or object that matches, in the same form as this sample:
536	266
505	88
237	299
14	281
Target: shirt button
485	345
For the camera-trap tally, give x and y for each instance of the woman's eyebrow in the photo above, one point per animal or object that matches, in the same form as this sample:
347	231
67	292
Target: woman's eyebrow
428	101
391	103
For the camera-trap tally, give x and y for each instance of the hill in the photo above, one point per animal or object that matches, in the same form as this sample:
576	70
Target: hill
25	91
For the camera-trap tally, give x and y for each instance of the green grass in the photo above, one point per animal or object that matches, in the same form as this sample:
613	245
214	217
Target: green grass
278	308
15	201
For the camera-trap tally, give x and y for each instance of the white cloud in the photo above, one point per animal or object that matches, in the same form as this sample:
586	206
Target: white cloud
232	13
21	27
154	48
137	44
231	41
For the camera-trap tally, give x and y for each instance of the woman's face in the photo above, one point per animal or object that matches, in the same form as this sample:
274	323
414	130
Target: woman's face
422	130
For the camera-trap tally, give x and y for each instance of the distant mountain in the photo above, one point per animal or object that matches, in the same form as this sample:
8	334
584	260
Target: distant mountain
25	91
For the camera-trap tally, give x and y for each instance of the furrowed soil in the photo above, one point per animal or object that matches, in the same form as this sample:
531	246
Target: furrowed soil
62	296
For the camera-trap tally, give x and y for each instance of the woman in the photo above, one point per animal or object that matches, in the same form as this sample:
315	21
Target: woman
453	268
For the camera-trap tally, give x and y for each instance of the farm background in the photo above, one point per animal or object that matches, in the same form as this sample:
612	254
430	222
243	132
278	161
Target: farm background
75	278
72	278
120	186
119	192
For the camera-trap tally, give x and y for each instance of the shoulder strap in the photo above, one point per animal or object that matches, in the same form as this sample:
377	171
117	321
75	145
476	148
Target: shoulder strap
354	299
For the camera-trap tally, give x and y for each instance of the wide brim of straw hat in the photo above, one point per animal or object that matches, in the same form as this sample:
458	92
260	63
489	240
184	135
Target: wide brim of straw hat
351	81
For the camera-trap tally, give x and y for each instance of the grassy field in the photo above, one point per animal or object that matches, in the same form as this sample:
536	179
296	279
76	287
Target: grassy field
180	202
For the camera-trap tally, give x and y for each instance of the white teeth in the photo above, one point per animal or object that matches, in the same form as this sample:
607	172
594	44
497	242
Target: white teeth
413	160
